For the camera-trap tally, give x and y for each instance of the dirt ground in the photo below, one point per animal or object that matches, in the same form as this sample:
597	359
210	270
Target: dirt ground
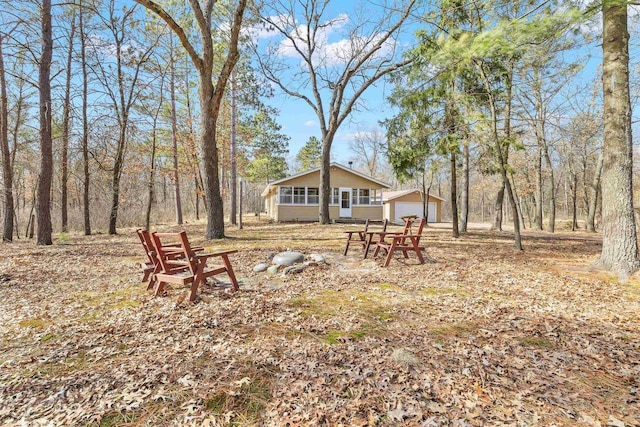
478	335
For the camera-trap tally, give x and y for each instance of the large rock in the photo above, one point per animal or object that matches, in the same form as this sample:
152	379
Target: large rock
317	258
288	258
260	267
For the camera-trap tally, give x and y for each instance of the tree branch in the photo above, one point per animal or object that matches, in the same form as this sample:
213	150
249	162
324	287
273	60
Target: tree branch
158	10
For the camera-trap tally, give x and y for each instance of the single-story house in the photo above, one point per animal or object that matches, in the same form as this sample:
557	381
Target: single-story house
409	202
353	195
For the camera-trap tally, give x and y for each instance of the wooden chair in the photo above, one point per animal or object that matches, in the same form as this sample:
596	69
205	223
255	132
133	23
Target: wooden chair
409	240
359	237
152	266
190	267
148	266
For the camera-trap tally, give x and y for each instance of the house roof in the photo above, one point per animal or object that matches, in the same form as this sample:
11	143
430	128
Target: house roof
391	195
338	165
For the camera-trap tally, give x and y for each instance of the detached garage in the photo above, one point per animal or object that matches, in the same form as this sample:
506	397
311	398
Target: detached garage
397	204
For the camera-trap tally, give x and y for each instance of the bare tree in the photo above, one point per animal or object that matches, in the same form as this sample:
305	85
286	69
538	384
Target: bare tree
331	79
369	148
174	129
85	123
122	92
210	94
43	210
7	169
66	119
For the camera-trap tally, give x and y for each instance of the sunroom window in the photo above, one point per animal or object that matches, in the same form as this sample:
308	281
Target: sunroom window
313	196
286	195
335	198
299	195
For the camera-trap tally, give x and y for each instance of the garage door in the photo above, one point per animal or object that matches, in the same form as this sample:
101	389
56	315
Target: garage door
414	208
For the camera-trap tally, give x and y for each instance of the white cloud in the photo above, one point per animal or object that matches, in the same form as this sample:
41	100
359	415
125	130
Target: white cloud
311	123
265	31
334	52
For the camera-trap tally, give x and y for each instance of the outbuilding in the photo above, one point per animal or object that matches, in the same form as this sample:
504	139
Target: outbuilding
397	204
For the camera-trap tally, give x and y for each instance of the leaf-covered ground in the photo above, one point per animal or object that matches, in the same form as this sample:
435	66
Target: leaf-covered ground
478	335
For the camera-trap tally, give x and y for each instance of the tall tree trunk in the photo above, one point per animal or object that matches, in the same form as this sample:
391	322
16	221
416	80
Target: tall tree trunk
215	213
464	214
454	196
619	239
325	181
502	153
552	189
497	209
7	169
152	176
46	149
240	225
538	188
152	160
174	133
574	201
197	173
595	191
85	125
115	179
66	116
234	196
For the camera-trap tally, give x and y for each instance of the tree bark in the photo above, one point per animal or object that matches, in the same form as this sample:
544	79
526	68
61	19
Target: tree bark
7	169
85	125
619	239
234	172
574	201
46	150
464	214
454	196
537	218
174	134
595	191
66	116
325	180
497	209
551	227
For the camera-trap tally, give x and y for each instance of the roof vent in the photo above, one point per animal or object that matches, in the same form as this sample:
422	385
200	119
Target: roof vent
350	165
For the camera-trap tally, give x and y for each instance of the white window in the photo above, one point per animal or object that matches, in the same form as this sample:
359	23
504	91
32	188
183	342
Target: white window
299	196
376	197
286	195
335	197
313	196
363	196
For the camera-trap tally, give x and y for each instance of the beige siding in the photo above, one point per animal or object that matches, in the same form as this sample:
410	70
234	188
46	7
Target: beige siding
310	213
365	212
297	213
339	178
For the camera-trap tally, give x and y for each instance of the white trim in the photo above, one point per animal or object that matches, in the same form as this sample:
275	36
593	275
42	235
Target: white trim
345	212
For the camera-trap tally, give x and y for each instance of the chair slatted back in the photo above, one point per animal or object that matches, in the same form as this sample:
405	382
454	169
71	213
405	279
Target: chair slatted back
145	239
174	252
